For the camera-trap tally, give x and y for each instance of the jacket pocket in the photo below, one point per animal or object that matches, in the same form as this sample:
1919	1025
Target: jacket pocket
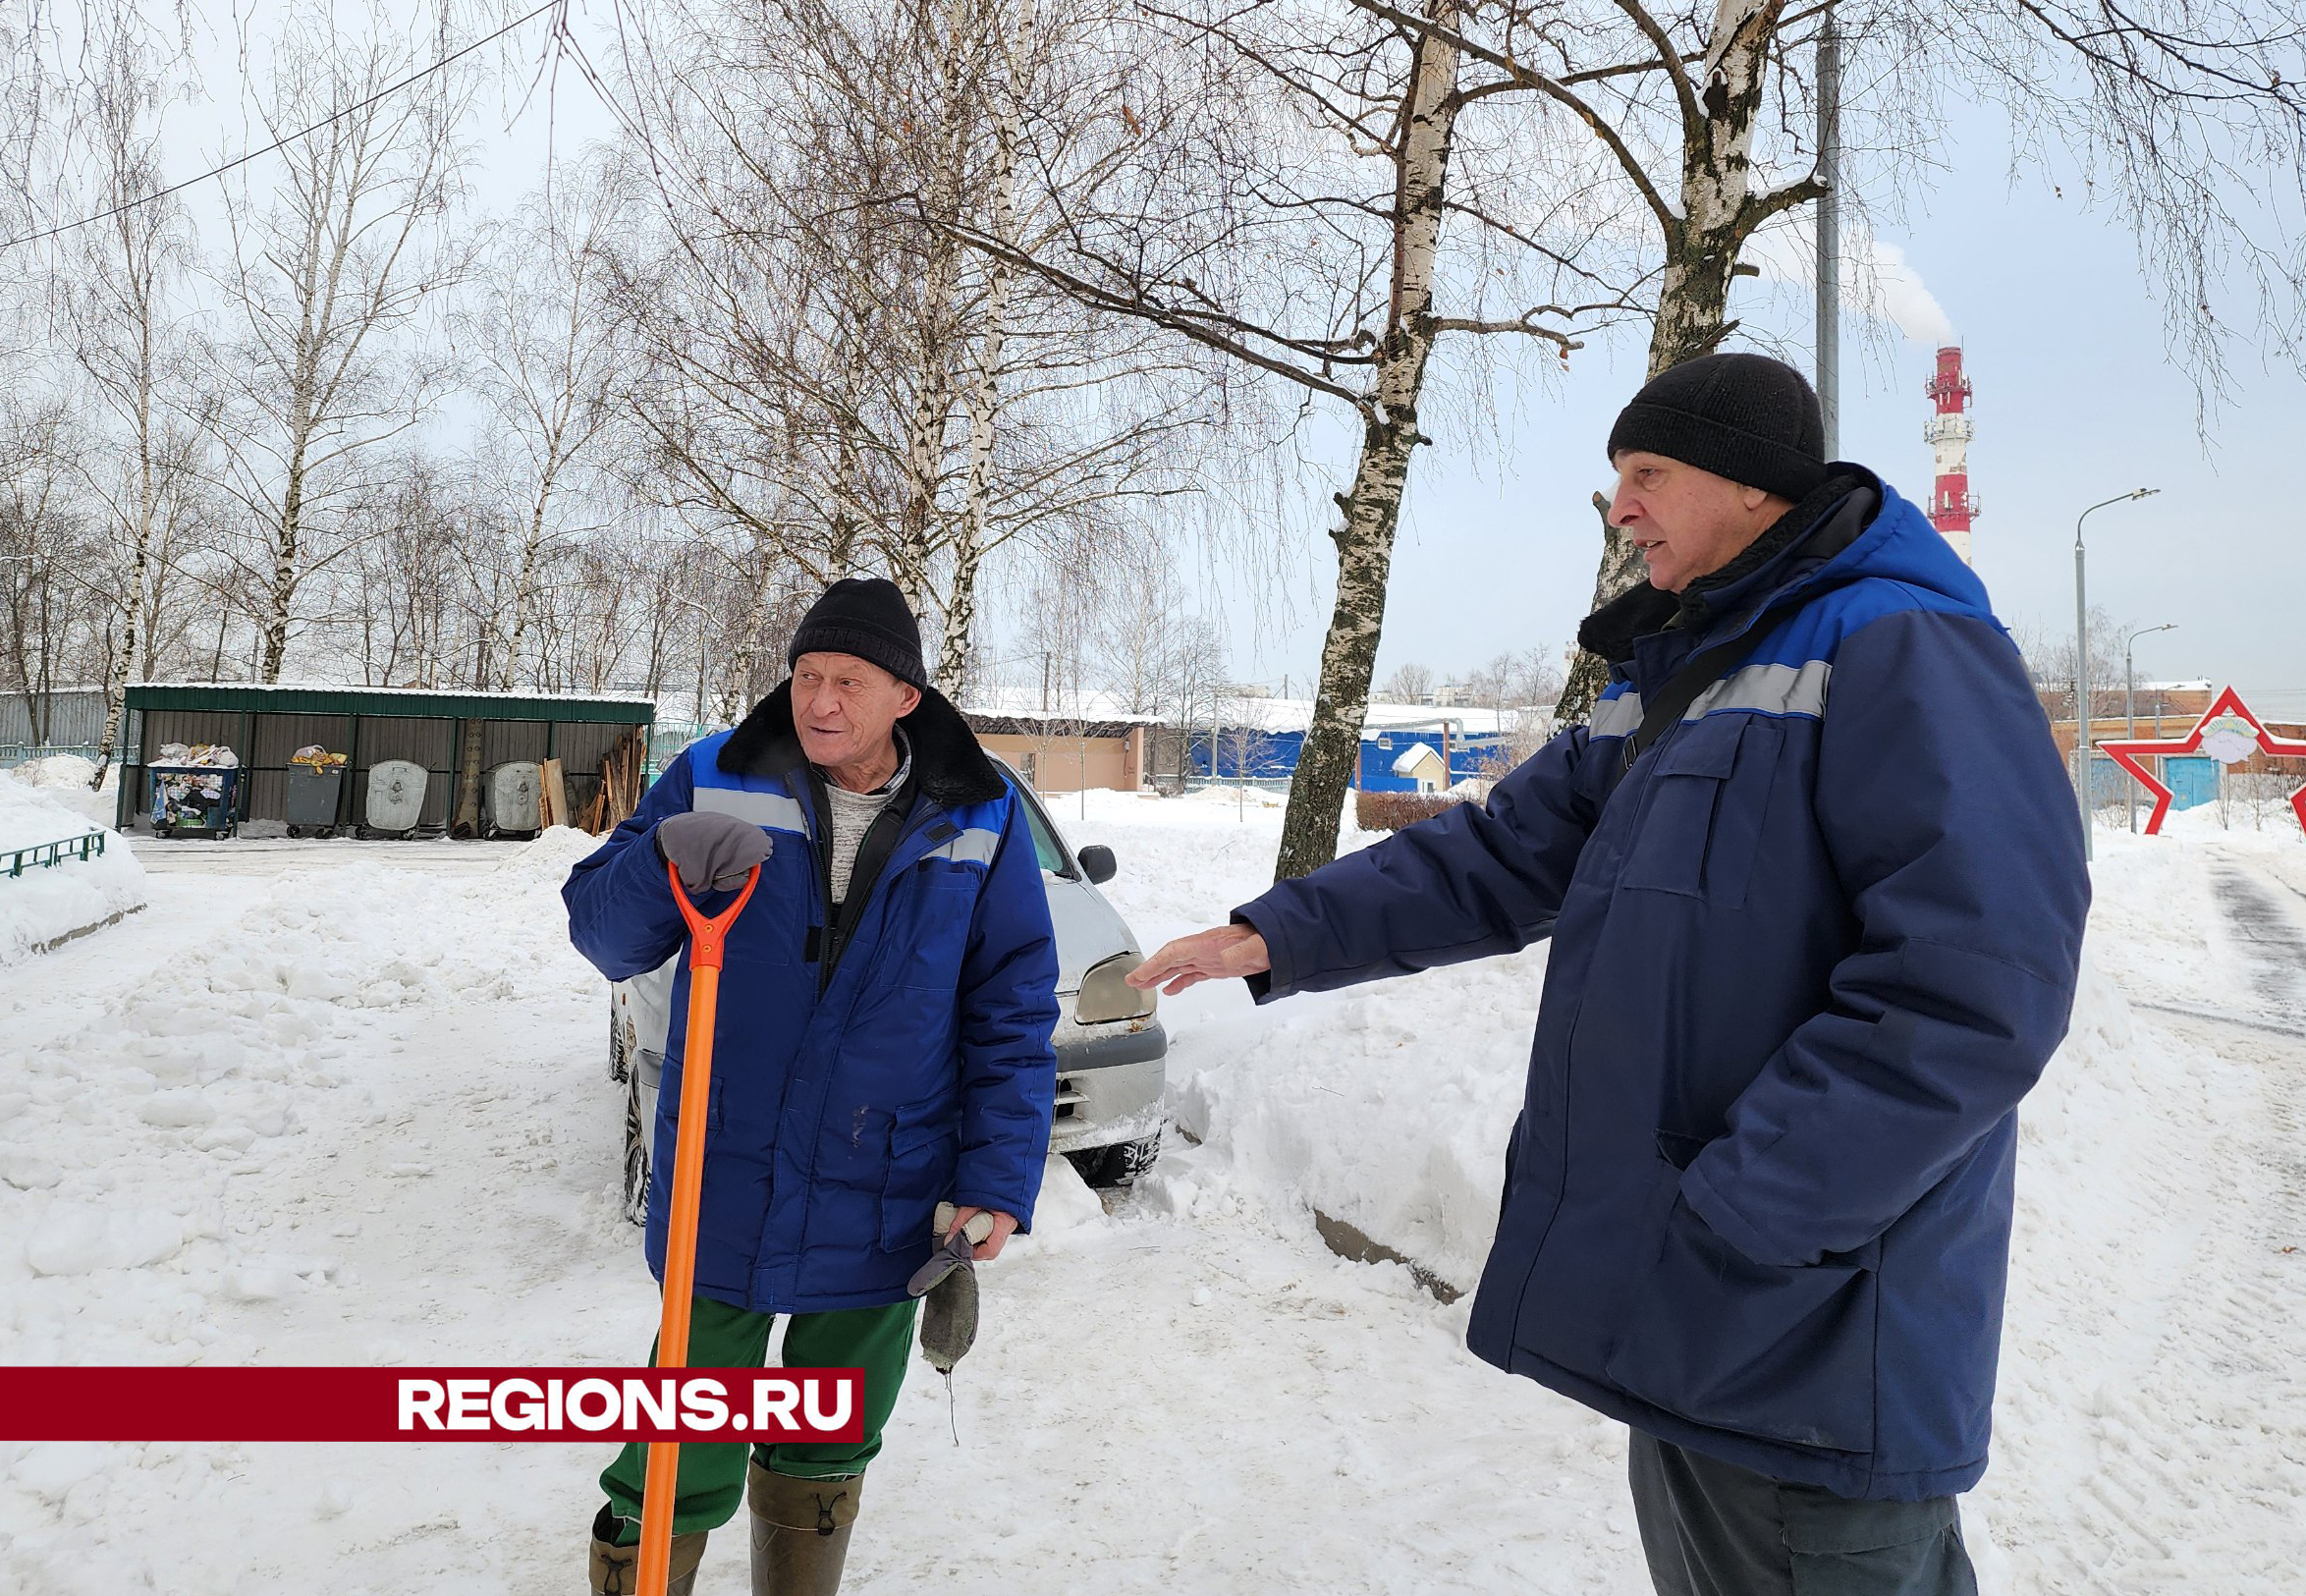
923	1149
936	918
1699	830
1761	1350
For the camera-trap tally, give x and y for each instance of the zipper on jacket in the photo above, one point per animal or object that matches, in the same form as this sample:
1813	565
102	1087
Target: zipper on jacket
841	920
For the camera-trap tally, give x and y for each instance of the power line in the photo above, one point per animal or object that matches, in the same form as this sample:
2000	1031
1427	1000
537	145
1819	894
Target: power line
417	76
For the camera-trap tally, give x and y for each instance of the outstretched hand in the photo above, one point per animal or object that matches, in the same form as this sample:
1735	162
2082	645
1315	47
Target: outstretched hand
1228	950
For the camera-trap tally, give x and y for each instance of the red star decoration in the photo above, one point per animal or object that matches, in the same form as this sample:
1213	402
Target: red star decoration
2229	702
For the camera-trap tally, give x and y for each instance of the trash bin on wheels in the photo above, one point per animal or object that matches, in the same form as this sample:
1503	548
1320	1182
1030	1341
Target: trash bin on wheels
516	798
312	802
396	799
315	781
194	800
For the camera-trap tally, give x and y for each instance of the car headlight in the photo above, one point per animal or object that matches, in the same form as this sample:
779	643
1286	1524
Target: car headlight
1106	994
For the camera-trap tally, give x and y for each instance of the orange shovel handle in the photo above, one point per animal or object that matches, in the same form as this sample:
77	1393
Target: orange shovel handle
708	944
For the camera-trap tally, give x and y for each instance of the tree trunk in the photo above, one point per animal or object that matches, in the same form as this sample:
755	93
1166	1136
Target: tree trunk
1589	672
523	584
933	397
124	662
984	395
1372	508
116	680
1702	245
467	821
285	554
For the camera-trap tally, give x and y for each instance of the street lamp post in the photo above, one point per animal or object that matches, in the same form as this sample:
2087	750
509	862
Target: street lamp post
2129	695
2083	664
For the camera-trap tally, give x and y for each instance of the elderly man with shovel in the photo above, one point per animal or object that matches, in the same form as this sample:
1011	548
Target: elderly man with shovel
882	1079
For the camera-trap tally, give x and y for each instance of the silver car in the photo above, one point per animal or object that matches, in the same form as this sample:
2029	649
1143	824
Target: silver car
1110	1046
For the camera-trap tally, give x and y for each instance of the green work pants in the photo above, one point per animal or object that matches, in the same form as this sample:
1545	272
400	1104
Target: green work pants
711	1481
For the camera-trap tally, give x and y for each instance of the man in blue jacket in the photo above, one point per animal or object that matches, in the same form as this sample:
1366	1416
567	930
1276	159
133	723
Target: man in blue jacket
883	1046
1816	893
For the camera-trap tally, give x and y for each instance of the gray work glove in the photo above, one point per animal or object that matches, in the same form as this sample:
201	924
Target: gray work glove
712	852
949	1280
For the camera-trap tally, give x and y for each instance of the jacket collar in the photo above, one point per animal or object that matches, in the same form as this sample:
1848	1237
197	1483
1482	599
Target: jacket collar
1778	560
949	766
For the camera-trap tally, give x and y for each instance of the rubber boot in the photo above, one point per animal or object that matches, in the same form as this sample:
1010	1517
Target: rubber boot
799	1532
616	1569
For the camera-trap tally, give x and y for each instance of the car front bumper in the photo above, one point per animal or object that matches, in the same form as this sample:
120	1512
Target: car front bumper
1109	1083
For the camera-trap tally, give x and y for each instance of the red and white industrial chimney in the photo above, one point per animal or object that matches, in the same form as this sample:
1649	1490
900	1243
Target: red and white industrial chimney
1952	503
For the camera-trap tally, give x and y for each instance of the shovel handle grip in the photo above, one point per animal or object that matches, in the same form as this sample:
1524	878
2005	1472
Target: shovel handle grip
708	934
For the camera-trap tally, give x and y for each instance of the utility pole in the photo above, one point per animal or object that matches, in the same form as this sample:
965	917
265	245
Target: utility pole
2129	673
2082	667
1830	227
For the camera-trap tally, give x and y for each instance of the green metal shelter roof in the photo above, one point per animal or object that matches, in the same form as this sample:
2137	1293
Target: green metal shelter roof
255	698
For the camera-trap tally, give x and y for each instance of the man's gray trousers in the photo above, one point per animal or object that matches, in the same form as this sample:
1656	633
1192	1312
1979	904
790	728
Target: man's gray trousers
1711	1529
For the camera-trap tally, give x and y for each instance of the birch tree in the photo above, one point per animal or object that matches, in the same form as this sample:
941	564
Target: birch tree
332	268
122	318
832	370
1294	193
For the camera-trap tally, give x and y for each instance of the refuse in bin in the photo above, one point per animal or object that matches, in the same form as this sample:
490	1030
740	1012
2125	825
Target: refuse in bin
516	805
194	800
396	798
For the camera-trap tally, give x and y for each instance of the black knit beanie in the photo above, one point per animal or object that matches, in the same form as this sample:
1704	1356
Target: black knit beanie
1745	416
865	616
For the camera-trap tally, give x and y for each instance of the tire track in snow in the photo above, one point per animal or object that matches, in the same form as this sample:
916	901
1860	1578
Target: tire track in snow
2266	933
2194	1434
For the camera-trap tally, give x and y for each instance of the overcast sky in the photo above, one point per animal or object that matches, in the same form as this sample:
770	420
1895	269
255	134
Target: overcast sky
2075	403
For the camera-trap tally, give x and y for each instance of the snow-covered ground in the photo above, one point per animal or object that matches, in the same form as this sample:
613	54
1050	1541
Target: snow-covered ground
48	800
344	1103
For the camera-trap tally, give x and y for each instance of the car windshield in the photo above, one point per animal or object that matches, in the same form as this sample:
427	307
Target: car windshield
1046	848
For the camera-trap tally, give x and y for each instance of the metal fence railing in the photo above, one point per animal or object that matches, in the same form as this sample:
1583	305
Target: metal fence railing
39	855
17	753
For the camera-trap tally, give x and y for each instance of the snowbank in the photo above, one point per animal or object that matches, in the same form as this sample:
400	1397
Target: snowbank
129	1130
48	903
1387	1106
63	778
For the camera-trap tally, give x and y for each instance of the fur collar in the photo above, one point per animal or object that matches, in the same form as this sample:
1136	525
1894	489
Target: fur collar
948	764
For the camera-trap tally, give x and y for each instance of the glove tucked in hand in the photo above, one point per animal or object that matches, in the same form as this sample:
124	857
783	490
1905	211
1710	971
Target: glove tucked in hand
949	1280
712	852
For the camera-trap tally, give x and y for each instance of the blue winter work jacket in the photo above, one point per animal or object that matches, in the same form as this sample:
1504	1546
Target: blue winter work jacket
1809	952
867	1065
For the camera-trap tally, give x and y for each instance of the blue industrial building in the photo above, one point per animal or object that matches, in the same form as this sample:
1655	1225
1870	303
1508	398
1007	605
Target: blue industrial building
1271	756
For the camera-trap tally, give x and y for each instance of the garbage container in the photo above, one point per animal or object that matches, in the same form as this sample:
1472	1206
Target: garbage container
516	798
193	800
396	798
312	801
